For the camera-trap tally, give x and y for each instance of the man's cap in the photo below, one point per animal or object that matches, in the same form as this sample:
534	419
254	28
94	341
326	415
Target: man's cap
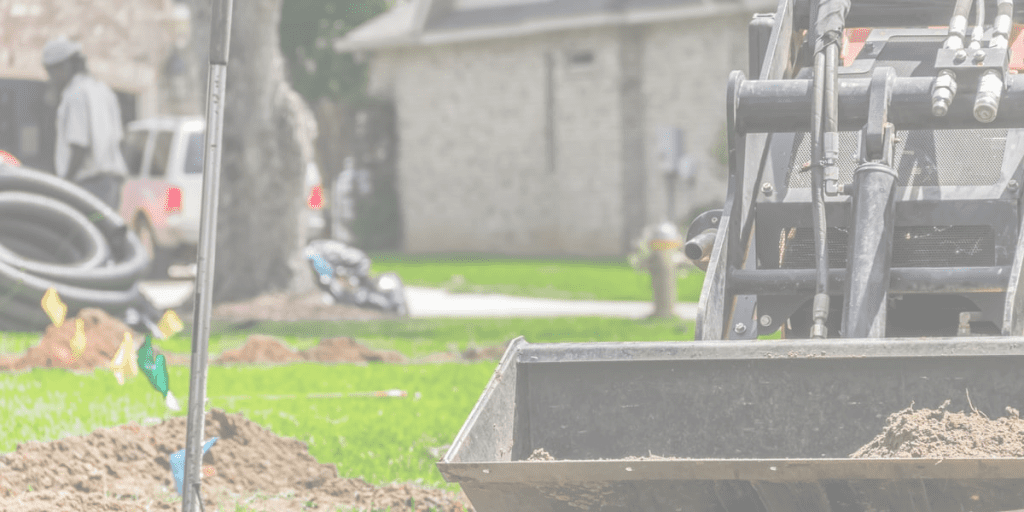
58	50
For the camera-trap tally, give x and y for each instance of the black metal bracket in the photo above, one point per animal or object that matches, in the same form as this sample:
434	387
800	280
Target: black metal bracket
878	134
969	65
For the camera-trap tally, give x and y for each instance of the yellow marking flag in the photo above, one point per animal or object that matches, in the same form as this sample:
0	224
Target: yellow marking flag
124	363
54	307
78	340
170	324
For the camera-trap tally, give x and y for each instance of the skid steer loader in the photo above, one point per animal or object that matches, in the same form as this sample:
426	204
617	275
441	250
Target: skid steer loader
873	215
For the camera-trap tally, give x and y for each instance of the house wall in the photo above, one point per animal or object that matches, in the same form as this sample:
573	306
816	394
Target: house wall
686	70
498	156
485	167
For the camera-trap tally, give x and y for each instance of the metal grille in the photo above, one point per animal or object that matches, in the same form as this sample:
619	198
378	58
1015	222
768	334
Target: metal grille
923	157
913	246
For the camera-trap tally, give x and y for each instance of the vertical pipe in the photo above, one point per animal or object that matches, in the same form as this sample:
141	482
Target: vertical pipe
869	253
220	36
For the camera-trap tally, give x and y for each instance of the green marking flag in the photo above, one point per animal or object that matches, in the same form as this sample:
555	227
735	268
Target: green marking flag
155	369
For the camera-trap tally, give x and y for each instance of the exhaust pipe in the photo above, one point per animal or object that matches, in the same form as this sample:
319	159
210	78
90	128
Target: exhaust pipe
698	249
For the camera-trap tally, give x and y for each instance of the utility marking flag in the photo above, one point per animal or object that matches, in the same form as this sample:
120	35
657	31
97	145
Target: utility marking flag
78	340
124	364
154	368
54	307
178	463
170	324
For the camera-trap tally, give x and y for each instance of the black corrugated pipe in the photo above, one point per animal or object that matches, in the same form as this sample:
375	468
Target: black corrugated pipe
869	254
54	234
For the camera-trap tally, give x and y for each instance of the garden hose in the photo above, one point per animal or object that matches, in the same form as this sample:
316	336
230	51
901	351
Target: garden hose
55	234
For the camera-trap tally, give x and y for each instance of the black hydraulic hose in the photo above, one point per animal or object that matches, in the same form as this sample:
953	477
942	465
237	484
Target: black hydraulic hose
958	24
54	234
979	21
818	218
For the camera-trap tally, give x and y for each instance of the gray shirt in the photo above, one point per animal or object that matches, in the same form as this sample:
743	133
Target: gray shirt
89	116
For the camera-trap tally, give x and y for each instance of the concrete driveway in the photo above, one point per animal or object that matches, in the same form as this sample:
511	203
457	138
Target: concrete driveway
437	303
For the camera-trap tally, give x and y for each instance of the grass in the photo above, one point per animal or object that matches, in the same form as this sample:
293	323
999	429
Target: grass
549	278
420	337
378	439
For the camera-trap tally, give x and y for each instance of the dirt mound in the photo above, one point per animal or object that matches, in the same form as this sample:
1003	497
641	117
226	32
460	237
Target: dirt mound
346	350
260	349
127	468
473	353
938	433
284	307
103	334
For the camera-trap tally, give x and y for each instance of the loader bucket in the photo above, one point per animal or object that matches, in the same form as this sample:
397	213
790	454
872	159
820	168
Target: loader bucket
732	426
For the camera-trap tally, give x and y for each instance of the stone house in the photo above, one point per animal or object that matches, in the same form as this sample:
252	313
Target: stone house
133	46
533	127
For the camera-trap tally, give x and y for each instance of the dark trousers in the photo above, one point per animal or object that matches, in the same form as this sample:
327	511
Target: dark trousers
107	187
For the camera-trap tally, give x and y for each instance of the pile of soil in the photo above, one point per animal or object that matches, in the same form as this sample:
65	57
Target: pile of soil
285	307
346	350
259	349
103	334
938	433
126	468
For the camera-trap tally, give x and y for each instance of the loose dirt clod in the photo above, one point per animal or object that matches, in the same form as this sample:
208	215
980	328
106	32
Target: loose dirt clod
938	433
126	468
540	454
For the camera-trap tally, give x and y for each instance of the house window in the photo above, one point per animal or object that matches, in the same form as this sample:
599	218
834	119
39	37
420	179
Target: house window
483	4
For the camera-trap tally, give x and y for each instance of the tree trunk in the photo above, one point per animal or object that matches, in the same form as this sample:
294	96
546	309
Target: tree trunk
268	139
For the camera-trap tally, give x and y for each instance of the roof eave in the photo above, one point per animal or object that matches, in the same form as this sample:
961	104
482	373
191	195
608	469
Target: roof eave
647	16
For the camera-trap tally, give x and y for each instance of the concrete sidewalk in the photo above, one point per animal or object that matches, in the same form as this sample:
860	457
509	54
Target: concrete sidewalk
438	303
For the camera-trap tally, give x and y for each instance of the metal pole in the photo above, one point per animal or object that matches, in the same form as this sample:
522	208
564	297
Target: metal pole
220	37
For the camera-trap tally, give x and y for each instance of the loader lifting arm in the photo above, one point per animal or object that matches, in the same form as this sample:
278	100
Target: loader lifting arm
882	132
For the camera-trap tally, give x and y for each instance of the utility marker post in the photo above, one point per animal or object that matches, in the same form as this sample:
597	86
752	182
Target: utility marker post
220	38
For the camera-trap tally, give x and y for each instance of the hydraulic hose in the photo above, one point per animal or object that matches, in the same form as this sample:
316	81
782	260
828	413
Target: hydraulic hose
1003	24
54	234
978	33
958	25
820	309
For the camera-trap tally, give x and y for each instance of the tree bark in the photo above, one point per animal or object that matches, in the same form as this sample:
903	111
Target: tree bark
268	140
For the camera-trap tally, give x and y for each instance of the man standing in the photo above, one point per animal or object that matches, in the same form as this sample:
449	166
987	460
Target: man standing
89	131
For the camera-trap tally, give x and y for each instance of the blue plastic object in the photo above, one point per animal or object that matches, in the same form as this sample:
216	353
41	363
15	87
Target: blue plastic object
178	464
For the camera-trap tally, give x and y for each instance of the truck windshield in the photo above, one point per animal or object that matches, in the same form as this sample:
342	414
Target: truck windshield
194	153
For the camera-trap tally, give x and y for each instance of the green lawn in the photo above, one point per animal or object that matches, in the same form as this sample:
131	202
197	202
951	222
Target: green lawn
377	439
419	337
380	440
550	278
